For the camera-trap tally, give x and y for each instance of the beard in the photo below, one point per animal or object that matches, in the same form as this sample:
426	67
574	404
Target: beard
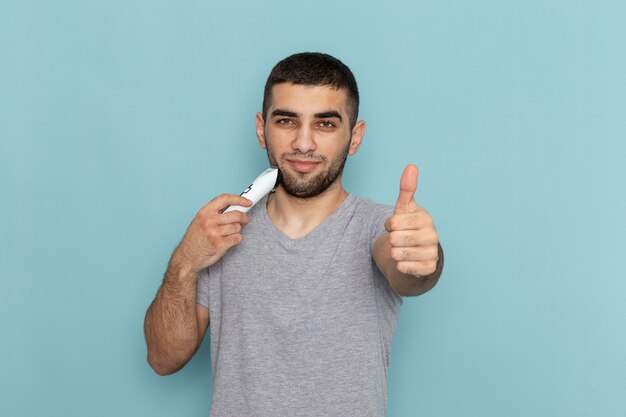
299	185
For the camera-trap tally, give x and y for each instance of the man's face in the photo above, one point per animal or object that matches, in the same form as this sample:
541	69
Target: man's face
307	135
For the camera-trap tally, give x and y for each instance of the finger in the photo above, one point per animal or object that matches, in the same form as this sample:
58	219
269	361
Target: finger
221	202
409	221
417	268
234	216
230	241
417	253
230	229
408	185
408	238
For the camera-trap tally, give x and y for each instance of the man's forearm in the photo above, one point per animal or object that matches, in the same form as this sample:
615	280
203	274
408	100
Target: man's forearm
174	323
171	326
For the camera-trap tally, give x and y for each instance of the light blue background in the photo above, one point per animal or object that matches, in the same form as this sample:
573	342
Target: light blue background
119	119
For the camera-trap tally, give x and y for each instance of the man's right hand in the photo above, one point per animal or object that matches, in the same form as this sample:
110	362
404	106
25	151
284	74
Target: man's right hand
212	233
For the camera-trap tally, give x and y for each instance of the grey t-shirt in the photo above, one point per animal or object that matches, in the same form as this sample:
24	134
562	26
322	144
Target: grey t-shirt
302	327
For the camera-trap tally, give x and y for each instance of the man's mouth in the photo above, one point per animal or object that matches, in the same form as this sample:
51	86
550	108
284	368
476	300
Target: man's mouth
301	165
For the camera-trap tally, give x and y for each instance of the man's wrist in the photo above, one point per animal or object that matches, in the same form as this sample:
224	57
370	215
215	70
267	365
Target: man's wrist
180	269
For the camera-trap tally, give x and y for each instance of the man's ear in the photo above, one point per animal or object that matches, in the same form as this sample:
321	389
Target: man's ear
260	130
358	131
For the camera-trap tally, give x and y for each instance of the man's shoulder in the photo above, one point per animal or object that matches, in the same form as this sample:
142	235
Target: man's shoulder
370	208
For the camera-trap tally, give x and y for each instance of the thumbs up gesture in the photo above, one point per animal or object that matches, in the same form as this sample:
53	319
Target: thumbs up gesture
412	235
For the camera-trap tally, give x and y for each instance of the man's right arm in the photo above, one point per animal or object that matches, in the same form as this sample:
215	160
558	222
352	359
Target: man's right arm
175	324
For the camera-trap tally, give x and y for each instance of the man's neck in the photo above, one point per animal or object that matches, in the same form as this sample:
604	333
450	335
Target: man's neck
296	217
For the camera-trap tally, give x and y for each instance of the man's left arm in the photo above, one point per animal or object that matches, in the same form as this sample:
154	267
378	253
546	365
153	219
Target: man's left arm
409	255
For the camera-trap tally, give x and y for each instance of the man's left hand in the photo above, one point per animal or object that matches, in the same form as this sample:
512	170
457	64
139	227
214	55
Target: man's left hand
412	235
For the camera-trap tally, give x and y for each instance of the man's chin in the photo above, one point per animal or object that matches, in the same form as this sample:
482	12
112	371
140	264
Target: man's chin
299	191
312	188
303	195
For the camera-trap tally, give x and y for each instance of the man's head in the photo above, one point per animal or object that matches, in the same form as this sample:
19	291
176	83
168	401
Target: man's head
314	69
308	125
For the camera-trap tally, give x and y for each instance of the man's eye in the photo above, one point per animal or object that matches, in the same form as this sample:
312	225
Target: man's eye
284	121
327	124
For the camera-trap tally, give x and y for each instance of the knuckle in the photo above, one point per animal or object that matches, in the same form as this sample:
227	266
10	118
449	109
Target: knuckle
430	266
212	233
214	245
396	254
417	221
207	221
217	201
237	239
422	217
203	225
395	238
405	267
201	215
226	218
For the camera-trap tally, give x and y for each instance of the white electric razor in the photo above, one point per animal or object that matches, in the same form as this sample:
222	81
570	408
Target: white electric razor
260	187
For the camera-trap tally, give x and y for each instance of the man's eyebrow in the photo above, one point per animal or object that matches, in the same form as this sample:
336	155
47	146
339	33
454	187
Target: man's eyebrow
328	115
286	113
322	115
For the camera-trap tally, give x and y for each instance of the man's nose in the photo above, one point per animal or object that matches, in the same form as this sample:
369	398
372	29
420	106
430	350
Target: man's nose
304	141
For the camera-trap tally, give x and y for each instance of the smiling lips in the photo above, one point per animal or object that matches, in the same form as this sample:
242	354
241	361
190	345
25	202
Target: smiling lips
303	165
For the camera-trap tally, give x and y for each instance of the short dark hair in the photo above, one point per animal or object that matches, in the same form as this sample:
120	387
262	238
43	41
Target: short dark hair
314	68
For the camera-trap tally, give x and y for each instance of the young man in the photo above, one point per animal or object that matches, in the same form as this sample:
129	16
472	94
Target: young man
303	292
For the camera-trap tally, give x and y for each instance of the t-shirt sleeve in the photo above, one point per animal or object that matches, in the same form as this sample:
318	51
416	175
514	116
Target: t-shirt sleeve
378	215
202	288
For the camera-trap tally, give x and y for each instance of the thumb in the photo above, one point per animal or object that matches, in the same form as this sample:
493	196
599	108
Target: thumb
408	186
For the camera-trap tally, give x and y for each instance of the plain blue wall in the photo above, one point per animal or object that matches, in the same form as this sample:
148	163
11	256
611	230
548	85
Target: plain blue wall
119	119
